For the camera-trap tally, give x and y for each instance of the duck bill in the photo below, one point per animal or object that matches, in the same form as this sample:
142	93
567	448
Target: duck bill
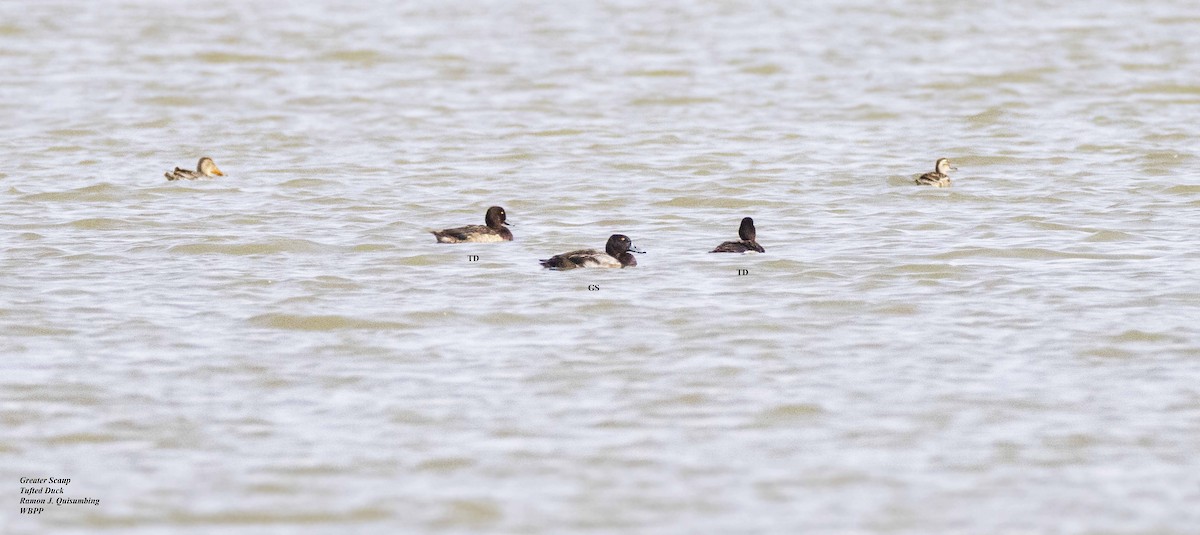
633	249
218	172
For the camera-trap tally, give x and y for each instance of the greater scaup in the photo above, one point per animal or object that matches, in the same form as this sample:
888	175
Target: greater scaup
747	234
615	255
494	231
204	169
940	177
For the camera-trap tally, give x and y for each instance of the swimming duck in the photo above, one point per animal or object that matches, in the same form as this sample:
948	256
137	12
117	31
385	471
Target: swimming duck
494	231
940	177
615	255
205	169
747	234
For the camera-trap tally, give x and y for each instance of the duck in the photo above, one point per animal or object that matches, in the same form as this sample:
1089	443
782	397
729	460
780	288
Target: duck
940	177
204	169
495	218
615	255
747	244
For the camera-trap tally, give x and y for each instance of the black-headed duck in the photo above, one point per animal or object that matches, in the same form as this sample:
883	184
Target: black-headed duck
747	244
493	231
615	255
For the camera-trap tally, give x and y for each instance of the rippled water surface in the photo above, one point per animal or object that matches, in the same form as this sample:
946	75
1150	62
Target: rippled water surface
286	349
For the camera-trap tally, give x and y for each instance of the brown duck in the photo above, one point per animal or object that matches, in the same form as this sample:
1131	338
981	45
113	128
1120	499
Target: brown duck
940	177
205	169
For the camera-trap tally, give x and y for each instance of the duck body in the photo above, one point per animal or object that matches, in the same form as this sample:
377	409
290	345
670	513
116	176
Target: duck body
616	254
473	234
747	244
937	180
205	168
494	231
939	177
742	246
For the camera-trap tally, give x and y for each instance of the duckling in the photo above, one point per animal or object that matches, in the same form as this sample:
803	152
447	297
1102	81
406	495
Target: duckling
746	233
204	169
940	177
615	255
494	231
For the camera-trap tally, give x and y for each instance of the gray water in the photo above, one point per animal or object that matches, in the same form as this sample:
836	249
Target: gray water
286	349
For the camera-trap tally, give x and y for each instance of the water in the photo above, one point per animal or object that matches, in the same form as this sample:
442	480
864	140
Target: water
287	350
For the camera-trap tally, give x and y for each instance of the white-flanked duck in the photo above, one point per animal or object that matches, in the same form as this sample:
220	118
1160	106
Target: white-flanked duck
615	255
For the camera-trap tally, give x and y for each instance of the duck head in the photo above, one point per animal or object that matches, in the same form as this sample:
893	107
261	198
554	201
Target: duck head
746	232
619	244
207	167
495	217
